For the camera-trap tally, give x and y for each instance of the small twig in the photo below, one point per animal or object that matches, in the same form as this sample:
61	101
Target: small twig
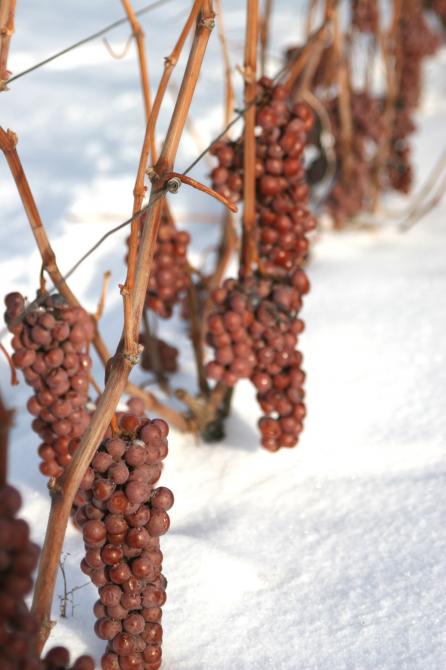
175	179
101	304
416	215
265	22
196	335
226	250
63	600
417	208
436	173
14	380
179	421
42	280
114	54
229	84
7	11
326	133
217	397
95	385
206	409
68	595
151	345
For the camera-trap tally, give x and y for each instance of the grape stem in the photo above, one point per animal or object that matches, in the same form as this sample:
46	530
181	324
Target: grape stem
14	380
184	179
120	365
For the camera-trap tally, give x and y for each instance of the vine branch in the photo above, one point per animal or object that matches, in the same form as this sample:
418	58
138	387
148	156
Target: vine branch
249	140
7	11
139	190
139	35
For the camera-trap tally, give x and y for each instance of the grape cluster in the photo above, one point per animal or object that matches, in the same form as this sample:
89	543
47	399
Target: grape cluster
18	626
166	356
169	277
365	15
121	528
254	332
281	191
51	348
416	40
351	188
18	559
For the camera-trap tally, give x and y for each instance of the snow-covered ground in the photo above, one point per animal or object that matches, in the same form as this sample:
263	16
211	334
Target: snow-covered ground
326	557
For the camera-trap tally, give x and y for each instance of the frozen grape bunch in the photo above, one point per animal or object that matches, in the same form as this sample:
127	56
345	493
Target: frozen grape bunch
254	330
51	343
121	527
18	626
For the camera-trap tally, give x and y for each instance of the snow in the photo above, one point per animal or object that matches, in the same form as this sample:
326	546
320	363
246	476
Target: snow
326	557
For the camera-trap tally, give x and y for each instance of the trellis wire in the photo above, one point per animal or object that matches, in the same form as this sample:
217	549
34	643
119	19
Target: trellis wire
99	33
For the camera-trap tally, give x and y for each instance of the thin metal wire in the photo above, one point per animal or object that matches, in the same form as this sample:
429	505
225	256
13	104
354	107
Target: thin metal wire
99	33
